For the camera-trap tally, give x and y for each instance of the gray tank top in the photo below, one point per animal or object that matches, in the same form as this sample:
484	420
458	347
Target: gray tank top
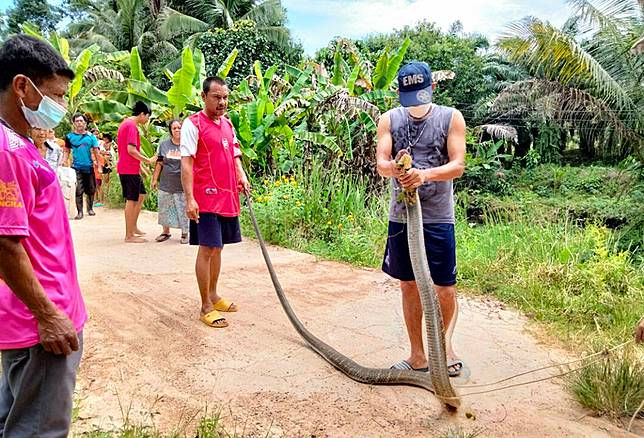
436	197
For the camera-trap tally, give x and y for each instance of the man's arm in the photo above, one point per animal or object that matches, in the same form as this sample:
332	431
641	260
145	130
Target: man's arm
242	179
66	149
56	331
385	166
192	209
455	151
131	149
94	156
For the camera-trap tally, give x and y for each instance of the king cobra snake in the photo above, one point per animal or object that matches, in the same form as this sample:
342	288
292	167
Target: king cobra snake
437	379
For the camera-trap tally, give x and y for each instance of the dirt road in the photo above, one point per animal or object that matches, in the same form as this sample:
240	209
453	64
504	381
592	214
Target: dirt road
149	358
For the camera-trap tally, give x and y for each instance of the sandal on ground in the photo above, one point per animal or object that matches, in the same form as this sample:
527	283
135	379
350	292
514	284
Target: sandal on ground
214	319
223	305
185	239
162	237
404	365
454	367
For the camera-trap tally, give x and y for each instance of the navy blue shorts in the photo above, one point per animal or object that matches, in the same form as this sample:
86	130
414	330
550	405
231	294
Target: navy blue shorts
440	247
214	230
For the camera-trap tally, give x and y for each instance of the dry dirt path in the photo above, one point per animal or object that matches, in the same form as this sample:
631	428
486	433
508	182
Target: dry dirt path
147	355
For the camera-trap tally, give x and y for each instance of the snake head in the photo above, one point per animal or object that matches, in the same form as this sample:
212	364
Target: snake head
403	160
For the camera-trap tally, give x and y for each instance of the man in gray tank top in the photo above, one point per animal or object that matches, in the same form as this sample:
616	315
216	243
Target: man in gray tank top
434	136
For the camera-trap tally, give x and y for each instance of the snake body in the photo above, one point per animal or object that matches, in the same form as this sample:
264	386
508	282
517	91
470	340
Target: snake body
437	380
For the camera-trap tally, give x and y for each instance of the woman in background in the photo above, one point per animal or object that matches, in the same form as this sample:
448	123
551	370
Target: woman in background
167	177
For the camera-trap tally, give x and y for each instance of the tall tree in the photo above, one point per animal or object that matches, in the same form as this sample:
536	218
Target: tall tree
583	75
196	16
38	12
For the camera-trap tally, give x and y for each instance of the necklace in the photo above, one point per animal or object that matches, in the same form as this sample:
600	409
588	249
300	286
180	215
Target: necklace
412	144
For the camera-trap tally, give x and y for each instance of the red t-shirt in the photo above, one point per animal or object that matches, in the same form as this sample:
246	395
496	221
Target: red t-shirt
214	148
128	134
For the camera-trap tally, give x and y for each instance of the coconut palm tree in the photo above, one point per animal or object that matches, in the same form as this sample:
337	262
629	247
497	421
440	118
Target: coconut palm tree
191	17
583	76
121	25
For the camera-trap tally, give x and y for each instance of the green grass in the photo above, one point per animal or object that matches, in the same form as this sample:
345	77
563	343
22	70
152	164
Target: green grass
613	387
209	426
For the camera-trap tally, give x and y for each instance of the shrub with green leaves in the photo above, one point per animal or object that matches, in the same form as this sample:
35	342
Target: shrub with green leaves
252	46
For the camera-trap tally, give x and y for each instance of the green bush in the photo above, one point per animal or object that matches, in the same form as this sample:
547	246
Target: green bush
252	46
322	211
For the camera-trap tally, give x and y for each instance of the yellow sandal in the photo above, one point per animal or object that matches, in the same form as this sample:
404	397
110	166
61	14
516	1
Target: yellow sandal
214	319
224	305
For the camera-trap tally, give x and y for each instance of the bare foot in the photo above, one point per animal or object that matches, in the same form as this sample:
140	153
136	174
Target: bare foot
135	239
140	233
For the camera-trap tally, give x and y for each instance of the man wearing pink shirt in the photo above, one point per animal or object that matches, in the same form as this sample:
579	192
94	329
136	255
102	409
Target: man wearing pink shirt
42	312
212	177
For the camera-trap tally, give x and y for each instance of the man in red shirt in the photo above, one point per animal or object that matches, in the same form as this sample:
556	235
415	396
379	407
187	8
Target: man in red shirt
212	176
129	169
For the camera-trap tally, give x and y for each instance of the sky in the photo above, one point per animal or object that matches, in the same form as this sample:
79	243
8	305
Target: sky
315	22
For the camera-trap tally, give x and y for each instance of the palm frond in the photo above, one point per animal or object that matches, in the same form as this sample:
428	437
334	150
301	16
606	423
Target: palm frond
539	99
267	13
605	14
545	51
280	35
175	23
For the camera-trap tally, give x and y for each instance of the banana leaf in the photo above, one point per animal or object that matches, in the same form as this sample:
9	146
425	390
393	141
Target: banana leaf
80	66
136	68
104	109
182	89
318	140
394	63
200	68
351	83
225	66
380	73
147	92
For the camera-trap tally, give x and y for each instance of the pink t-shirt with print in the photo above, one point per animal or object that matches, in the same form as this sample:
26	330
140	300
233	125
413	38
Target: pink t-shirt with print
32	208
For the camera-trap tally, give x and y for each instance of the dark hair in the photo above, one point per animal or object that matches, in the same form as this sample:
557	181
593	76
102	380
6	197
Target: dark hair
29	56
77	115
172	122
107	136
141	108
209	80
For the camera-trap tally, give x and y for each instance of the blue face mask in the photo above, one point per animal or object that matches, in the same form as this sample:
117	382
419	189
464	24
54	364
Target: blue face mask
47	116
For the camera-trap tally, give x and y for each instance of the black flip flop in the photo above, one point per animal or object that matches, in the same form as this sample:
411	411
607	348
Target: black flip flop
162	237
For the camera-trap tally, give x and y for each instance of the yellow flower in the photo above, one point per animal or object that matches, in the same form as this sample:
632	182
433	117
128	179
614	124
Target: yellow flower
265	182
294	183
329	223
285	197
339	226
298	203
278	183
